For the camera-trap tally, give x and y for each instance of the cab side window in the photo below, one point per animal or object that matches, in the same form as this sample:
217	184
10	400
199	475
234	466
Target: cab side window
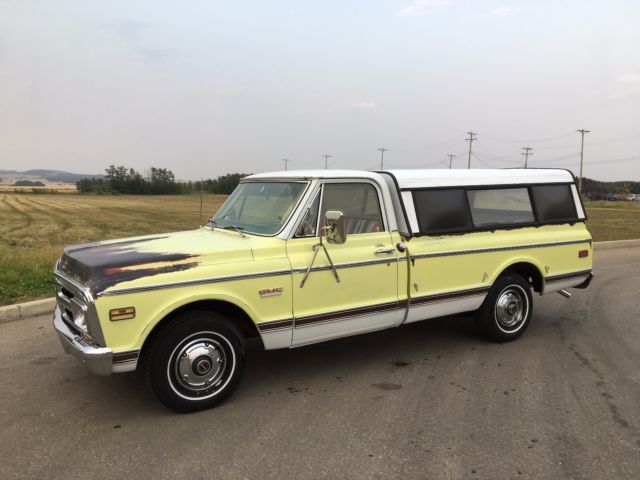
358	201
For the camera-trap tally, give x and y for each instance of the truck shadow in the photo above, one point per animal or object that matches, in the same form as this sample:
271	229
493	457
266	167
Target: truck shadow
390	348
277	370
446	341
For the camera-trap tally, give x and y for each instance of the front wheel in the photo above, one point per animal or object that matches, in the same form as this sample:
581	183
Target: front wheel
195	363
506	312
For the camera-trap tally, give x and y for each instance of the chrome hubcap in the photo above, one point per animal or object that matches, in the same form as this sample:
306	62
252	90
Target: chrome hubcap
511	308
199	364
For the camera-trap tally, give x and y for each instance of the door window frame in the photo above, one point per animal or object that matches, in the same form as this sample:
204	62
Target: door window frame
319	190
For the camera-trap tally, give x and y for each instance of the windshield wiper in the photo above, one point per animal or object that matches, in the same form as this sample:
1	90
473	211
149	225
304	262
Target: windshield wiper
230	226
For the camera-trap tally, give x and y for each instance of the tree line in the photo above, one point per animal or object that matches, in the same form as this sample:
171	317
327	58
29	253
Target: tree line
158	181
597	189
161	181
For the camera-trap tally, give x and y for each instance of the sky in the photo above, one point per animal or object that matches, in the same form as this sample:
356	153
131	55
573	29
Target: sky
206	88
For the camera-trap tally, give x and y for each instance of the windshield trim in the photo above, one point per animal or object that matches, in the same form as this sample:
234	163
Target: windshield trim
293	210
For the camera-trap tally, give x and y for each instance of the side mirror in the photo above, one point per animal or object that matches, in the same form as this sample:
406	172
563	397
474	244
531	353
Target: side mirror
335	229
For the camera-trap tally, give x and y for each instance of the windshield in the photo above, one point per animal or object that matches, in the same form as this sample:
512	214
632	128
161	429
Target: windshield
259	207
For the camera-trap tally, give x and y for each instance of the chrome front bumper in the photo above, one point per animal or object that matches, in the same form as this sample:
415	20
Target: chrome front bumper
98	360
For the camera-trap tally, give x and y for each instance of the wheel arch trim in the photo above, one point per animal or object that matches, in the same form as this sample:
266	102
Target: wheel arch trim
524	266
242	316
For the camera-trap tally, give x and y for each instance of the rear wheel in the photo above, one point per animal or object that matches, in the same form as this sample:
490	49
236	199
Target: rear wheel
506	312
195	363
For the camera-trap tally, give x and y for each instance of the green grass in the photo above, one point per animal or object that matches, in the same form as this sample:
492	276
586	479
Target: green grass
34	228
613	220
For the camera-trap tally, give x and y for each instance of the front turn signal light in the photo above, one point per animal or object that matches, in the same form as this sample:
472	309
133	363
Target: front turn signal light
118	314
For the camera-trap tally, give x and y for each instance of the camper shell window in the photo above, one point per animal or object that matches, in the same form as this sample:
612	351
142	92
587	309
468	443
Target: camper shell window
466	209
554	202
500	206
443	210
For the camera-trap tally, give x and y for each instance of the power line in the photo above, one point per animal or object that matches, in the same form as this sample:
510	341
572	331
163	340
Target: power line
555	147
548	139
471	139
526	152
483	162
382	150
582	132
613	140
592	142
555	159
326	160
615	160
493	157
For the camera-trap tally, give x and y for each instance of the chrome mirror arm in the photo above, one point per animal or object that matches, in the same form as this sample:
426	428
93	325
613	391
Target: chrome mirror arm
333	267
317	247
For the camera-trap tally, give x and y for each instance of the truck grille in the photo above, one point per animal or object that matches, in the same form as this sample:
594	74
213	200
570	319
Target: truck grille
73	304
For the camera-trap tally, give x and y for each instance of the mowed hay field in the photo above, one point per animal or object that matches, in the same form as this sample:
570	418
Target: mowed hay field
613	220
35	227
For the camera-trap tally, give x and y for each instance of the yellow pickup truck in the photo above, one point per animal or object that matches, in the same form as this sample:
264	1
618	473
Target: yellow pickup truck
297	257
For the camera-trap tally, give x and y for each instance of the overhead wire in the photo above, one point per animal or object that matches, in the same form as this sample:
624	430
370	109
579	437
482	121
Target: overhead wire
488	158
548	139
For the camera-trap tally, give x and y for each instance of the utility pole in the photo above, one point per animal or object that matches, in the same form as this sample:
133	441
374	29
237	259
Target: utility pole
582	131
526	152
450	155
286	161
471	139
326	160
382	150
201	195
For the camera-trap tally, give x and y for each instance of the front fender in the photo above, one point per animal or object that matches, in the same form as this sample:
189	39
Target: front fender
153	306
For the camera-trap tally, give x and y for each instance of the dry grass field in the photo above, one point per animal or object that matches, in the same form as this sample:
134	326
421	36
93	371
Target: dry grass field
49	186
34	228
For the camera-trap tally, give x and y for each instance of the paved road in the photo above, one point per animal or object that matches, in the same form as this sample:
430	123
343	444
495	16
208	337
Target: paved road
429	400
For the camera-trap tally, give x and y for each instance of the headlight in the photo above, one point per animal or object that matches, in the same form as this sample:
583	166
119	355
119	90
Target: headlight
81	322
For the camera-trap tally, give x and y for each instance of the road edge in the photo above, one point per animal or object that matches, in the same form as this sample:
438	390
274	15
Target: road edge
22	311
610	245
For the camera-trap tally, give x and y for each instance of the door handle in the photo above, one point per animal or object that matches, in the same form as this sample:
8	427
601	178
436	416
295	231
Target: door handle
385	251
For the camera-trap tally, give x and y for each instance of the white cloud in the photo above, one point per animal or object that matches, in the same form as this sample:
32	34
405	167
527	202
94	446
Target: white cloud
422	7
365	105
502	11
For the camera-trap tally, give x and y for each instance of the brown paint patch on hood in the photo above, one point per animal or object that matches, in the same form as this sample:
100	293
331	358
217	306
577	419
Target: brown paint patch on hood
100	266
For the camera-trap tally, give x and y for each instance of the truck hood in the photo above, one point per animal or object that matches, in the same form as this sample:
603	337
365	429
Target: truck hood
102	265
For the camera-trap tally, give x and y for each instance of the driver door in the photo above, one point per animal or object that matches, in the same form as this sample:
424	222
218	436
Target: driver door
366	296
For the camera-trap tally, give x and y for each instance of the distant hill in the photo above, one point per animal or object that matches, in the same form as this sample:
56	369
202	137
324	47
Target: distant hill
57	176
